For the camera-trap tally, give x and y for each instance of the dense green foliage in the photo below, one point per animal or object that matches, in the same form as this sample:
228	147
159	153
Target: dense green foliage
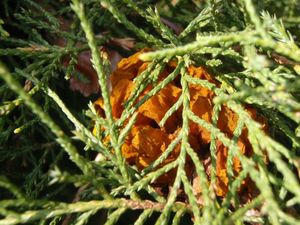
47	150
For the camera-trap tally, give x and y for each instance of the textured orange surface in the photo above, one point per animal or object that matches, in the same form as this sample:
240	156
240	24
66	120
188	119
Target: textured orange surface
147	141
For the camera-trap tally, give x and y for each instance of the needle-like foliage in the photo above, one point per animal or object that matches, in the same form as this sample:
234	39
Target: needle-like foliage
63	163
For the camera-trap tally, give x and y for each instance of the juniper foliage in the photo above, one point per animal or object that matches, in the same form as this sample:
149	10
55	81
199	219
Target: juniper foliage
49	174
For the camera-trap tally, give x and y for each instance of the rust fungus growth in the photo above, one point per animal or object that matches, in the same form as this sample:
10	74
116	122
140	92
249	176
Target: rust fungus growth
147	140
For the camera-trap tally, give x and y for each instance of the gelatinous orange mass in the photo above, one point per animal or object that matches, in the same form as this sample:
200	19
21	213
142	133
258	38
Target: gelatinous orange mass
149	143
147	140
157	106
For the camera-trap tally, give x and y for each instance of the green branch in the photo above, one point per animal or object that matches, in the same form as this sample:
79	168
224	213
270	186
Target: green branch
62	138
